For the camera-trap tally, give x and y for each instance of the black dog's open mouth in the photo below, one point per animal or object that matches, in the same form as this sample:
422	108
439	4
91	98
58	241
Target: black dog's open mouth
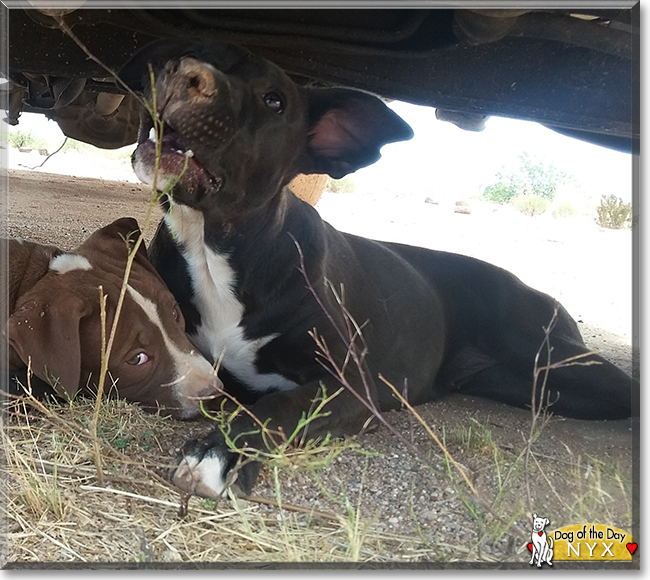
171	141
175	159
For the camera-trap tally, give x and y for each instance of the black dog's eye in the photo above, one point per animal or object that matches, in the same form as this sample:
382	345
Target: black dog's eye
274	102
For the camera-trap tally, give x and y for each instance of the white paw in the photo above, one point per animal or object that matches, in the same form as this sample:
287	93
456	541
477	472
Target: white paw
206	476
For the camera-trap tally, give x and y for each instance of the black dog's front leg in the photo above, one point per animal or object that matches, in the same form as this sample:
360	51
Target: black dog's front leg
209	466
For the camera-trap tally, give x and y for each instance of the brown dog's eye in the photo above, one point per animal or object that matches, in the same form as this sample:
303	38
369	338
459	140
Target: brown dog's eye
274	102
138	359
175	312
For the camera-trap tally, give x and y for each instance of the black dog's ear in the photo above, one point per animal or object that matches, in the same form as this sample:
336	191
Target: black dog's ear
347	128
135	73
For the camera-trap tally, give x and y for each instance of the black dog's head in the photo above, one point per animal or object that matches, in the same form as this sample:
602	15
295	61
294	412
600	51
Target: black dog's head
238	129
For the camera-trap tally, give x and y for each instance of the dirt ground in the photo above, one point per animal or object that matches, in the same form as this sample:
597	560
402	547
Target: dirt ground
579	471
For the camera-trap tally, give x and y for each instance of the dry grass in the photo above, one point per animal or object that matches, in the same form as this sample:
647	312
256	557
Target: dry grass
55	511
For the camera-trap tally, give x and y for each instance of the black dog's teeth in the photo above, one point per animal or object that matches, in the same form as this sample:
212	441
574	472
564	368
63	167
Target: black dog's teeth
170	140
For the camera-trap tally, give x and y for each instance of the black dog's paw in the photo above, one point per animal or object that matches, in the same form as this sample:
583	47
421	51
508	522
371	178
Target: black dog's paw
208	469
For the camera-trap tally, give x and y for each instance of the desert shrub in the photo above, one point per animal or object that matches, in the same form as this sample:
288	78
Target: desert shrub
500	192
531	178
613	213
540	178
564	209
344	185
21	138
531	205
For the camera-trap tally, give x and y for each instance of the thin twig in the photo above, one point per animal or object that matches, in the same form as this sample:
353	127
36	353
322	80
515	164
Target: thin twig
62	24
291	507
540	405
50	155
70	471
431	434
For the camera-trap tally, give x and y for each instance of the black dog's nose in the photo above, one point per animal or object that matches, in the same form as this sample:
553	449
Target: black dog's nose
197	77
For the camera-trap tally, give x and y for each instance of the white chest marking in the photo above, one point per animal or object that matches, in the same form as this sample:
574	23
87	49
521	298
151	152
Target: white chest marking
69	262
220	333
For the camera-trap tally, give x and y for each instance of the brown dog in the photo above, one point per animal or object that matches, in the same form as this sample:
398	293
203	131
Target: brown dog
54	323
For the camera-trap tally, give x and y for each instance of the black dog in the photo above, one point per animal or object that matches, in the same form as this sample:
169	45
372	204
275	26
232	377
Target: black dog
238	130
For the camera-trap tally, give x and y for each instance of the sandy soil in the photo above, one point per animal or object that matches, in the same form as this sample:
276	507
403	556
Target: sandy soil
588	269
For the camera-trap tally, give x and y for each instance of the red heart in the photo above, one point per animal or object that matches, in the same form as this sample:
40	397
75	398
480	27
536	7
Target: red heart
540	533
530	546
631	547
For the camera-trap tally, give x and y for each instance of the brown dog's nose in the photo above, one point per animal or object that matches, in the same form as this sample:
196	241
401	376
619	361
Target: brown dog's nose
209	391
198	78
202	383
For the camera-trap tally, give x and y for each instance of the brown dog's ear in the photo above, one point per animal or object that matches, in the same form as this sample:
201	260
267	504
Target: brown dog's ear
347	128
47	332
124	231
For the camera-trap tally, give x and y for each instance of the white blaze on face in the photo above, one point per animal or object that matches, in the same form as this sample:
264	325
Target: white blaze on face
68	263
194	374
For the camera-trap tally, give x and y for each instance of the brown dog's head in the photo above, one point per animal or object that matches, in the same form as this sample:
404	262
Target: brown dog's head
238	128
56	327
